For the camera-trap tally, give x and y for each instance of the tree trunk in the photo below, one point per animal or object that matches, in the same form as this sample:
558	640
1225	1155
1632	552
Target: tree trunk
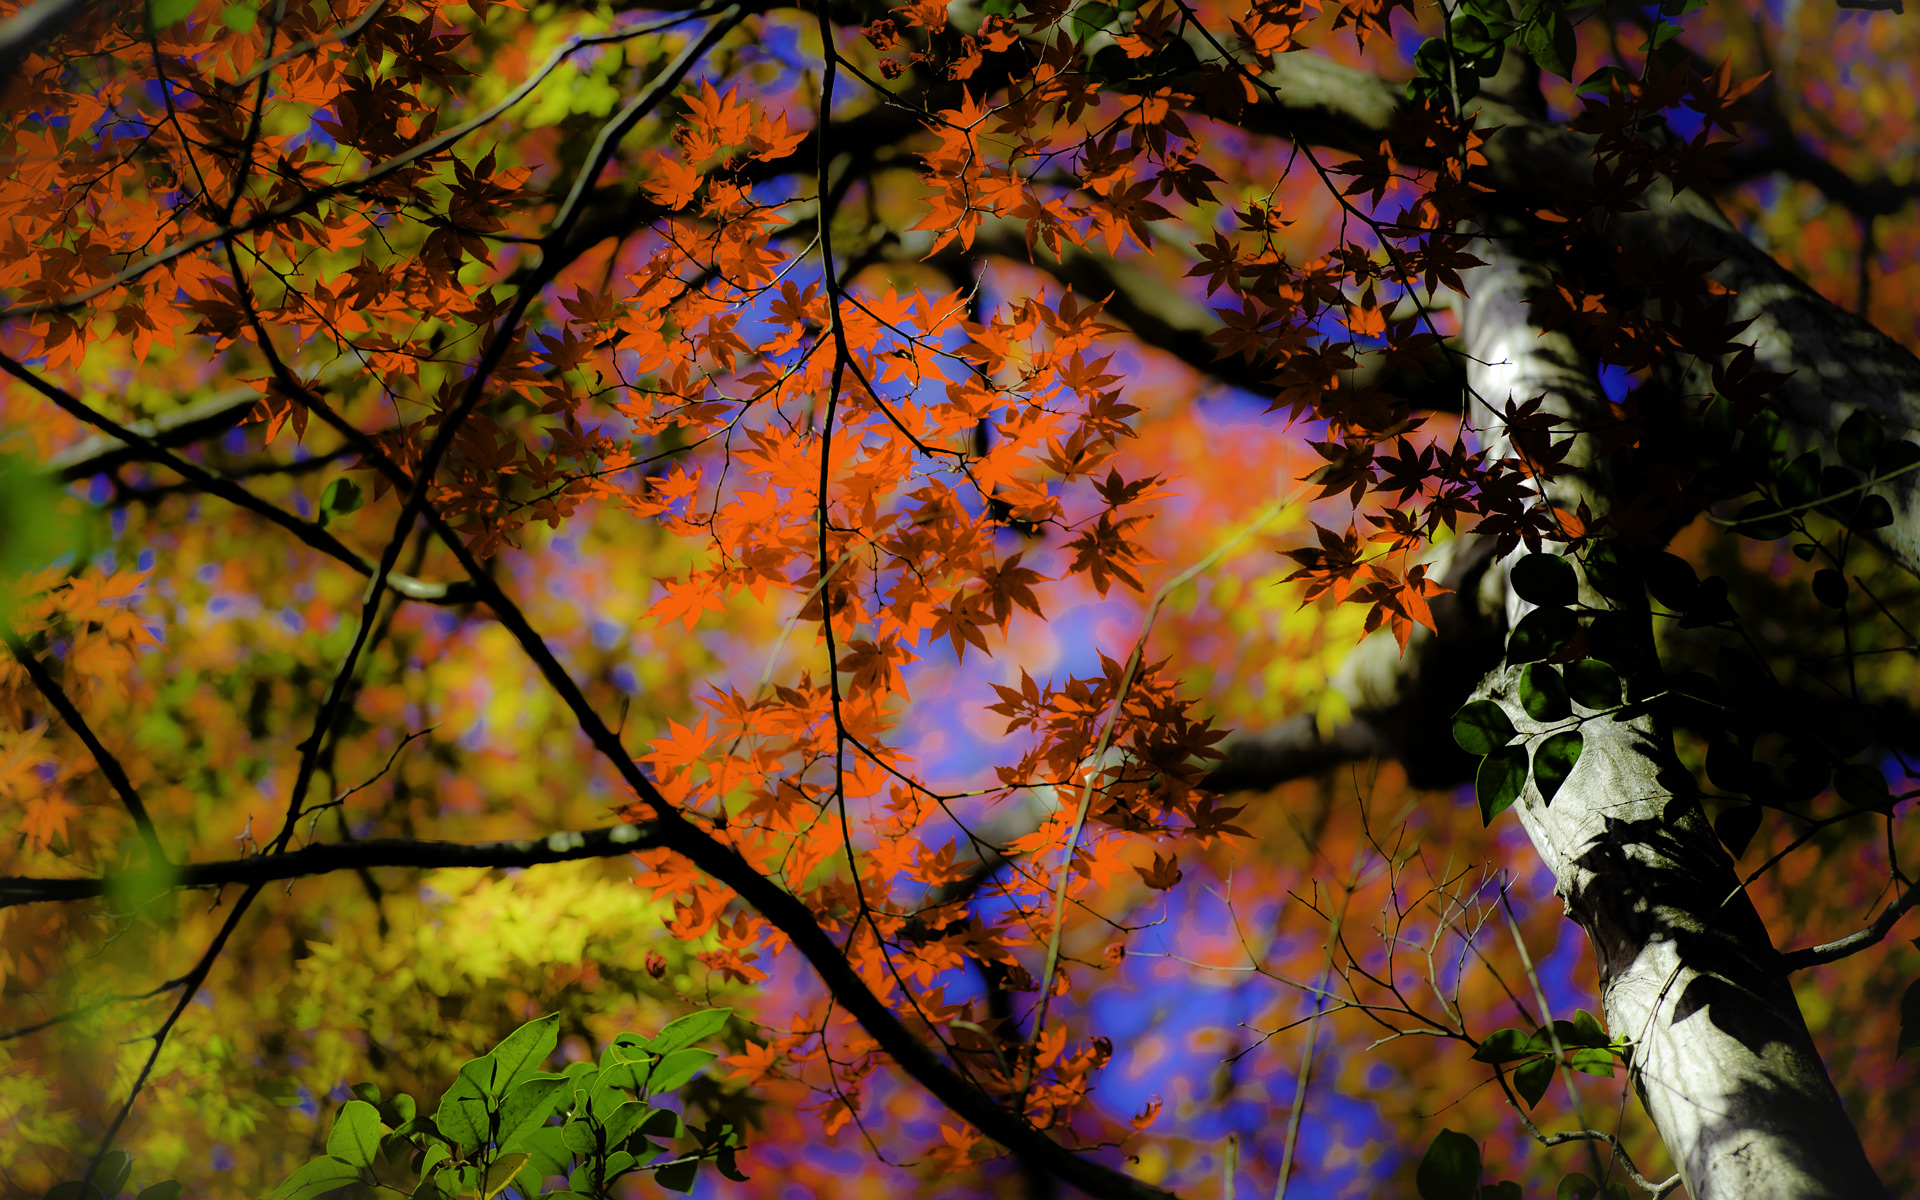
1721	1058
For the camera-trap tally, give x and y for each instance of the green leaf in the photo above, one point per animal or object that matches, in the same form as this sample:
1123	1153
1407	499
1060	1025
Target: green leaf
1543	693
1587	1031
1593	684
1506	1189
1874	513
624	1120
1450	1169
1608	79
677	1069
1611	572
1896	457
1545	579
340	498
1557	50
317	1178
520	1056
171	1189
548	1146
239	18
1763	521
1481	727
165	13
728	1163
1576	1187
678	1176
500	1174
1592	1062
1505	1046
1502	774
1909	1020
1736	827
463	1113
664	1123
1863	786
1531	1079
111	1175
1539	634
1861	438
356	1134
1090	19
1554	761
527	1108
397	1110
689	1029
1672	581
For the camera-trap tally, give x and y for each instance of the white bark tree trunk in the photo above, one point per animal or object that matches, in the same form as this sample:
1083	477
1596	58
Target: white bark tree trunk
1722	1060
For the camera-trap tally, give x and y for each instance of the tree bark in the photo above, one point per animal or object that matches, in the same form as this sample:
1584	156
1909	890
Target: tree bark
1721	1059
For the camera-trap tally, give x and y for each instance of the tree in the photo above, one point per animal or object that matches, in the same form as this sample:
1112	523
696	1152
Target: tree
898	586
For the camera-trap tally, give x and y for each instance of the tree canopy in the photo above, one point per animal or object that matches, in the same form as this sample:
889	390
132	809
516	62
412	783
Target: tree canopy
1160	598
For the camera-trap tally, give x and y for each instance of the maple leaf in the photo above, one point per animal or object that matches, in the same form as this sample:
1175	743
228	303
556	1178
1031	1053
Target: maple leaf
755	1063
45	818
1163	874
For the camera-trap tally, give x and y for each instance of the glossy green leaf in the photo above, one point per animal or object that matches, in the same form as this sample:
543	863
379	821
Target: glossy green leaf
1543	693
1594	684
1545	579
1861	439
1505	1046
1450	1169
1671	580
1611	571
1539	634
464	1112
1554	761
1576	1186
527	1108
677	1068
317	1178
689	1029
1587	1031
1874	513
356	1134
168	1190
1501	777
624	1120
677	1177
1480	727
520	1057
1532	1079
